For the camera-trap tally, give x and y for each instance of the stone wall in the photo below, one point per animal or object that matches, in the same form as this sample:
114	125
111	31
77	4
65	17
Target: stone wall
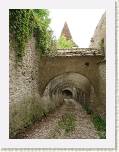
102	87
99	35
23	87
24	75
52	67
29	79
26	104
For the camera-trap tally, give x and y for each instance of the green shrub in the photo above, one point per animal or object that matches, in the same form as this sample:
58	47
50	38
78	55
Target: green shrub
64	43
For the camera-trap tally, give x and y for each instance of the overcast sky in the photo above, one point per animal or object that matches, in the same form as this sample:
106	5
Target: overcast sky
81	22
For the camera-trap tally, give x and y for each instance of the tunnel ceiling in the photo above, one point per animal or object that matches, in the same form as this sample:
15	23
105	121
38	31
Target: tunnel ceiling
68	81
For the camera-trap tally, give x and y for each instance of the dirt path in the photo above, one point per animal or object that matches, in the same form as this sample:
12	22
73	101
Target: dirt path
49	127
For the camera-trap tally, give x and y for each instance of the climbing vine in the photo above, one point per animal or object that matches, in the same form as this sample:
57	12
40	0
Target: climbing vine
25	22
21	26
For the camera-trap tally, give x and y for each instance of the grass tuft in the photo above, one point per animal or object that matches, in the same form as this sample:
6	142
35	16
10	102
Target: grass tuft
100	125
67	122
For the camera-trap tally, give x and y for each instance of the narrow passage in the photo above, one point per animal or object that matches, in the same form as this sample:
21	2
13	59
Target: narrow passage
69	121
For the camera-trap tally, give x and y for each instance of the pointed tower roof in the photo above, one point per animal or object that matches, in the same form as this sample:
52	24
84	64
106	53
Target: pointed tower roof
66	32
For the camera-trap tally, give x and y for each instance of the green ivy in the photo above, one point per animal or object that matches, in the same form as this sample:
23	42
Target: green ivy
25	22
21	26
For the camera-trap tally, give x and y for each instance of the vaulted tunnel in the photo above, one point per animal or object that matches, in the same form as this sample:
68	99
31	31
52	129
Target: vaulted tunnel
67	93
69	86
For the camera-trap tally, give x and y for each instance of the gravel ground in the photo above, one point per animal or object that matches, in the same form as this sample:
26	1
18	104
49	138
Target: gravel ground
48	128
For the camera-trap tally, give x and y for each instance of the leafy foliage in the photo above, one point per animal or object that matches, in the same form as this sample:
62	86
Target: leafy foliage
64	43
21	26
44	35
23	22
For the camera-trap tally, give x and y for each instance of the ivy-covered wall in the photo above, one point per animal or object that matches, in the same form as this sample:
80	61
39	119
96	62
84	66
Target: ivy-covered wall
30	37
23	23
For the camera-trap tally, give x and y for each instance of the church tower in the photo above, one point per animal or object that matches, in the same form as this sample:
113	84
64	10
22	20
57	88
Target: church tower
67	34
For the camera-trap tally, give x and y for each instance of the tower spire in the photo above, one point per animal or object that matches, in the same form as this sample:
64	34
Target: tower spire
66	32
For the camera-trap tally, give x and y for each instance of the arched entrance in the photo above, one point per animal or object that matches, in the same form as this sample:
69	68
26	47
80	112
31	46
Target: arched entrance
69	86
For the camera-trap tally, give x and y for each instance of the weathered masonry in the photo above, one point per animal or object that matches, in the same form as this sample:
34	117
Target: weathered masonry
73	68
40	84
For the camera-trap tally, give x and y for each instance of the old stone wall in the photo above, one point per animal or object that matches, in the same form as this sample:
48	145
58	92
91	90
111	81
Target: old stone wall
54	66
99	34
30	77
98	43
23	87
26	104
24	75
102	88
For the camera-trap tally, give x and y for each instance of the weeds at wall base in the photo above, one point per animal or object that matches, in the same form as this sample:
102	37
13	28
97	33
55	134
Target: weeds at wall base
99	123
23	114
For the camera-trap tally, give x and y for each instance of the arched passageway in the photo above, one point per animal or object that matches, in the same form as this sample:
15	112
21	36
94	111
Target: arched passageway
70	91
70	86
86	66
74	91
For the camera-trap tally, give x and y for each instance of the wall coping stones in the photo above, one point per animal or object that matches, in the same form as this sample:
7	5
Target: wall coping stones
76	52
